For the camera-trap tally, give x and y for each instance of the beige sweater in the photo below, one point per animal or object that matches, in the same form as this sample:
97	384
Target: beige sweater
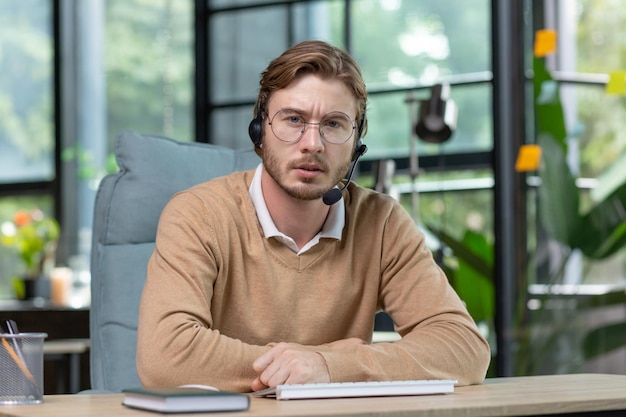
218	295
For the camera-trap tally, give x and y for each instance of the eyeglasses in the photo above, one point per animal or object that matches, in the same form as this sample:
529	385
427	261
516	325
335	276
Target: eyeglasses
335	127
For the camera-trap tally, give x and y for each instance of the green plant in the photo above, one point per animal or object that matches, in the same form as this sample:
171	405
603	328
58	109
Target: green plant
469	268
34	237
597	230
471	271
86	166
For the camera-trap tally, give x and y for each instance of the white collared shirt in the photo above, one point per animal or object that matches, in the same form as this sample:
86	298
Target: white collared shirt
332	228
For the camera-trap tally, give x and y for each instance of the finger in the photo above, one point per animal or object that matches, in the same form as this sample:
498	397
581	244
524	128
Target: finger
275	374
295	367
262	362
257	385
267	365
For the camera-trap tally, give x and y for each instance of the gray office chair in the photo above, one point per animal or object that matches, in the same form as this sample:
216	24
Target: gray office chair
127	209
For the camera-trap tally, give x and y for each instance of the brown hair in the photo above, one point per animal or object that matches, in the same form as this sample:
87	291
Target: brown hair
312	57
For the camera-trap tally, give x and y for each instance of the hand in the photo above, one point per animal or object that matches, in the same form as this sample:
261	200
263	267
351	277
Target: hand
288	363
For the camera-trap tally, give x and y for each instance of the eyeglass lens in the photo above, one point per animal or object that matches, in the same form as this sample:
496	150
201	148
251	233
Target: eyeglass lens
289	126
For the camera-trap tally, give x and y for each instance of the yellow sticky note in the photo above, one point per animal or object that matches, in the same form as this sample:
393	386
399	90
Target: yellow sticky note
545	42
617	83
528	158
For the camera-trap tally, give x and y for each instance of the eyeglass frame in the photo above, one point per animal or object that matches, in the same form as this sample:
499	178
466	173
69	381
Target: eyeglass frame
305	123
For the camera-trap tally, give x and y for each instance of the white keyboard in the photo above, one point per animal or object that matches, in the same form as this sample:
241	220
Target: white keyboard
358	389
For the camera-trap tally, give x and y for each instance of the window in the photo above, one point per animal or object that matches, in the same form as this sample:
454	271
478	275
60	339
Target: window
403	48
27	141
125	65
26	92
576	288
589	49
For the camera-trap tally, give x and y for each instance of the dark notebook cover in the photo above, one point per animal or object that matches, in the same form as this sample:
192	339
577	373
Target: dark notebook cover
184	400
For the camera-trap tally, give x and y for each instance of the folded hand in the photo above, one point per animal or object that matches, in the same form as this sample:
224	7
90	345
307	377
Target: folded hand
289	363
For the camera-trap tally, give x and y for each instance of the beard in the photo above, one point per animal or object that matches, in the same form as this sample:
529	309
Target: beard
307	189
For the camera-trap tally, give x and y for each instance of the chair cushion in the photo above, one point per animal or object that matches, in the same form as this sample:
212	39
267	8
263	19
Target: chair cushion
127	209
152	170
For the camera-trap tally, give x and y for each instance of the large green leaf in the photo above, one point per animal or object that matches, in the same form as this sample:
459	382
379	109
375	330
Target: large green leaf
602	231
473	277
474	281
548	110
604	339
477	292
558	194
610	179
473	250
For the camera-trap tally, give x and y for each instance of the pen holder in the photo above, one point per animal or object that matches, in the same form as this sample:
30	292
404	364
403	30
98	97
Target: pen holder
21	368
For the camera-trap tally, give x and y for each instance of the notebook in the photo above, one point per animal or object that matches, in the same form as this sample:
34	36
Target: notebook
184	399
358	389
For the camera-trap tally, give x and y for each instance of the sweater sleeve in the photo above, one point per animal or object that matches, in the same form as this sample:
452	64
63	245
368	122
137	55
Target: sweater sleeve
177	343
439	338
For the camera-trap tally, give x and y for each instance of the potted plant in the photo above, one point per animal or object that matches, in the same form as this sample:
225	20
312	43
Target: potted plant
34	237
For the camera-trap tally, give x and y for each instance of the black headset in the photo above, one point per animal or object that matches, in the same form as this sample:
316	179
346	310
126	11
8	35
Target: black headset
255	130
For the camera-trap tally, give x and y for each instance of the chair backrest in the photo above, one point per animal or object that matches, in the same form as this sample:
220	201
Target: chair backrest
127	209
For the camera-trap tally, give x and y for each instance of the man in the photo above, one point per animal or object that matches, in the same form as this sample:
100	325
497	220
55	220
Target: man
257	281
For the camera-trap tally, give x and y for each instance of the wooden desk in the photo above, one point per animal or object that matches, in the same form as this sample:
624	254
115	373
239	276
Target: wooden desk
555	395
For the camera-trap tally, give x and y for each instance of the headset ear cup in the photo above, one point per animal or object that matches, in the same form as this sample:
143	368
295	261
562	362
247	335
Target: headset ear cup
361	127
255	130
359	150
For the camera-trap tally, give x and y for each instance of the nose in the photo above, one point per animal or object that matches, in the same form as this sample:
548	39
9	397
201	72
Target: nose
311	138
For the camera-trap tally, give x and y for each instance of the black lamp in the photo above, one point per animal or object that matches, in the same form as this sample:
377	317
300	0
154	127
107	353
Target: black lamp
437	116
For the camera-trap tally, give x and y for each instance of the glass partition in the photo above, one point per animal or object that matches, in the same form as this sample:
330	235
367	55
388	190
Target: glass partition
571	314
26	92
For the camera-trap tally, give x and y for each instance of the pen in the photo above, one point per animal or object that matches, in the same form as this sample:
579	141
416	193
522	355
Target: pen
17	345
16	354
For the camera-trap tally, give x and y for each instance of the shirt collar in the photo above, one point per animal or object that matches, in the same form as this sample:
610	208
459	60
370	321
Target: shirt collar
332	228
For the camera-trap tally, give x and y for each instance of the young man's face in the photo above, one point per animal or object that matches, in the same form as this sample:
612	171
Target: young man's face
309	167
